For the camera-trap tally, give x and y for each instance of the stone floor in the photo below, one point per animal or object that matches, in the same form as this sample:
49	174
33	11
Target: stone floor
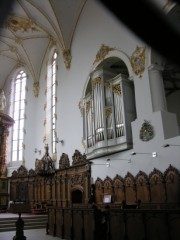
36	234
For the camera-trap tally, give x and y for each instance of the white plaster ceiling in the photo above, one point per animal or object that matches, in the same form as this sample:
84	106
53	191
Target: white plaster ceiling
36	24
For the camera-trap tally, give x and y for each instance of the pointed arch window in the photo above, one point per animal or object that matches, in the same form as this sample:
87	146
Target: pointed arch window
52	100
18	113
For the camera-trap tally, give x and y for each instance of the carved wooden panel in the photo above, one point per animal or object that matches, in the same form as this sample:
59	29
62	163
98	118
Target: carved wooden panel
67	223
130	191
99	191
172	180
118	189
59	222
157	187
108	186
58	190
22	192
142	187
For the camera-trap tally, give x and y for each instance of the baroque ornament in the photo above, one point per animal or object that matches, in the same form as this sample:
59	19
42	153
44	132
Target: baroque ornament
15	24
117	89
146	131
103	51
138	61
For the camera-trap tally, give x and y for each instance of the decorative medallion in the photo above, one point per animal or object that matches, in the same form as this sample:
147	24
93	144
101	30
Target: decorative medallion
138	61
146	131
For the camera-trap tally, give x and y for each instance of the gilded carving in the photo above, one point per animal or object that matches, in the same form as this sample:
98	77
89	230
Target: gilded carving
36	88
96	81
108	112
138	61
18	40
67	58
103	51
15	23
52	41
80	105
117	89
88	105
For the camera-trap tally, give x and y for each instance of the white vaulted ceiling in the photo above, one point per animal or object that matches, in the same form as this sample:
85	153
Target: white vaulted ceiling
31	27
34	25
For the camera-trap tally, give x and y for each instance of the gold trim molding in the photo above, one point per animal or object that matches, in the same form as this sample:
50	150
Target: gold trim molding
138	61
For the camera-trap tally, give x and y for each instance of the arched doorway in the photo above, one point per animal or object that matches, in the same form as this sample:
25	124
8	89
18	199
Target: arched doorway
76	196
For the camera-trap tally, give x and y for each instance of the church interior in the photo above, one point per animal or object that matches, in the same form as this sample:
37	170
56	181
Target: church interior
90	117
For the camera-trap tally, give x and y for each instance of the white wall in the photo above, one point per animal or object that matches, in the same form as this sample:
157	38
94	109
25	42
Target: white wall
96	27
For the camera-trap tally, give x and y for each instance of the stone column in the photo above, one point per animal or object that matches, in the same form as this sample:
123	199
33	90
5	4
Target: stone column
157	88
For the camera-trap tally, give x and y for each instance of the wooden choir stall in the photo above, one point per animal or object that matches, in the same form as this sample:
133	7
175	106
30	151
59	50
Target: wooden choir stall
128	208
